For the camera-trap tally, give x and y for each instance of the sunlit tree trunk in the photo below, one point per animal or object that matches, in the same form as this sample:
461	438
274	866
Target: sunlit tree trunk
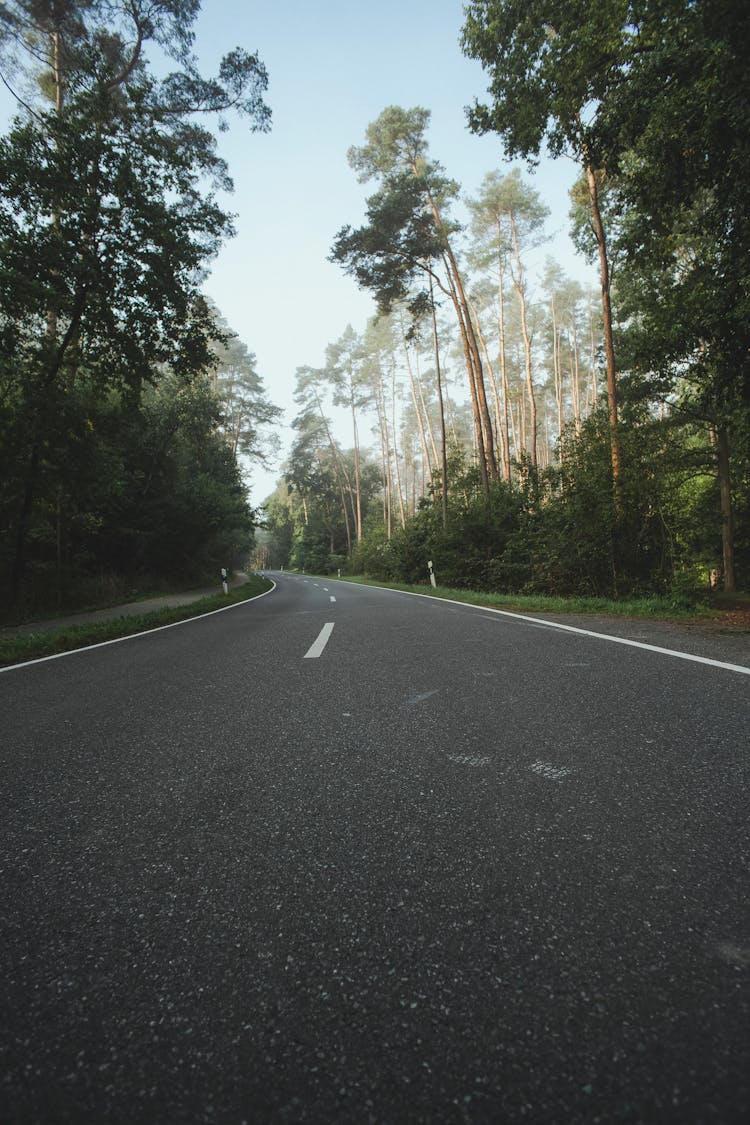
394	431
503	370
419	387
520	287
501	430
357	474
575	375
441	407
557	369
415	401
483	421
385	453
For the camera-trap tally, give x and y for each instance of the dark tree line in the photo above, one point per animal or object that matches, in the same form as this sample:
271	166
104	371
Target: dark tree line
112	460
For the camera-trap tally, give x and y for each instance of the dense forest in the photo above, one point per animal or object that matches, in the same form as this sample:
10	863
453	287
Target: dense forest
125	399
517	429
522	433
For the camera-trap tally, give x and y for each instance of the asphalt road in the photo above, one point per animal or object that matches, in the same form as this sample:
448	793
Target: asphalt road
374	859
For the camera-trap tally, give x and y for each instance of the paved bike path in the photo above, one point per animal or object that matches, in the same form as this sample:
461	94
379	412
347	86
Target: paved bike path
127	609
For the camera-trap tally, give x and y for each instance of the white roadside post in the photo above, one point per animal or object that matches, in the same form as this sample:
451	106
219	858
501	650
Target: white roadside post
224	580
432	573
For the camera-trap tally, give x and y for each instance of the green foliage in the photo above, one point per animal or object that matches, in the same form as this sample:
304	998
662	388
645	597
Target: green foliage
375	556
395	247
550	63
555	532
145	488
395	250
654	101
246	412
310	549
105	226
278	528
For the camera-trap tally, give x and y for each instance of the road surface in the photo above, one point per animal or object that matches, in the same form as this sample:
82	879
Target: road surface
341	854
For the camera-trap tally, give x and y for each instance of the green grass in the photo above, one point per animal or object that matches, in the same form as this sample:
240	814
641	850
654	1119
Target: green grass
14	649
656	607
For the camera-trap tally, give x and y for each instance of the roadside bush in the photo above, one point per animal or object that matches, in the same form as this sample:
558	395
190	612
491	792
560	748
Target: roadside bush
374	555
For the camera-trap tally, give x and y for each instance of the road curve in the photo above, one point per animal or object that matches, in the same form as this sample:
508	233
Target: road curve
345	855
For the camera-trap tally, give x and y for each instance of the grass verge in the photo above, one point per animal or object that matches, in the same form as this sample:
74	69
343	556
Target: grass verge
14	649
663	608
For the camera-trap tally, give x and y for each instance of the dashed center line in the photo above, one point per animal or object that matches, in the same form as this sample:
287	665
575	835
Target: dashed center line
316	649
468	759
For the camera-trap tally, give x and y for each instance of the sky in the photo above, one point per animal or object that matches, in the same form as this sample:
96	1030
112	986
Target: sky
333	66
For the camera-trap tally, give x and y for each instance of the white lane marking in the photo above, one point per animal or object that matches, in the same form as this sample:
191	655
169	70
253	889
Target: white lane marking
332	598
586	633
546	769
467	760
738	955
316	649
420	698
132	636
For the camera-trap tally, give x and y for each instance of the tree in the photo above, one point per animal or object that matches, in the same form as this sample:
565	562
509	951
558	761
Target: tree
246	410
379	373
183	507
554	67
509	216
406	234
344	371
315	431
680	146
104	222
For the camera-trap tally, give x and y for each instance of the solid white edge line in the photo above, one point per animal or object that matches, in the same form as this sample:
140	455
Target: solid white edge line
317	647
574	629
132	636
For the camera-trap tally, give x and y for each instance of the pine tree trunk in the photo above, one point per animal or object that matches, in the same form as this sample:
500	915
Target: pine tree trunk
495	392
609	345
415	404
592	364
558	378
357	480
399	489
443	441
727	516
385	453
518	281
485	440
576	380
